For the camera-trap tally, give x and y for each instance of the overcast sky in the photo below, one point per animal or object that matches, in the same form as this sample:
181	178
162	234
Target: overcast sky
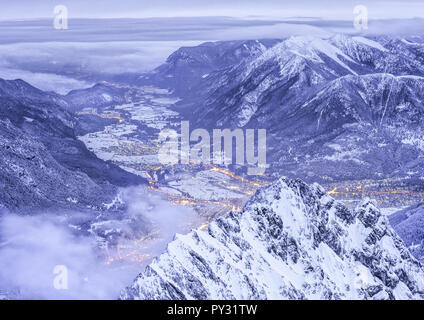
62	60
330	9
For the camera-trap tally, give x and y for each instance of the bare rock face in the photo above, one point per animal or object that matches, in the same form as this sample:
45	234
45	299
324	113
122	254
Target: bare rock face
291	241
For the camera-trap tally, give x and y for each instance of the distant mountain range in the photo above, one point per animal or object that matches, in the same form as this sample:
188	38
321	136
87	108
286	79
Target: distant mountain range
341	108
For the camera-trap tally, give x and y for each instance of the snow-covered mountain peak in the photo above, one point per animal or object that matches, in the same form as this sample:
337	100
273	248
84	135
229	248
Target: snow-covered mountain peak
311	47
352	43
298	50
291	241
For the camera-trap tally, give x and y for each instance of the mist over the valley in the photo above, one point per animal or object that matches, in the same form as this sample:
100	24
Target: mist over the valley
32	246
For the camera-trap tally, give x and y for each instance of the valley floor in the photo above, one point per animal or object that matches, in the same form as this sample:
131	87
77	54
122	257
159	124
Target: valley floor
211	191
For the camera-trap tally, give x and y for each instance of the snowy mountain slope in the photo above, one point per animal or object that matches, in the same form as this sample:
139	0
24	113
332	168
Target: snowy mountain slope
228	83
383	54
335	109
409	224
186	67
367	124
365	115
31	179
291	241
296	68
98	96
43	164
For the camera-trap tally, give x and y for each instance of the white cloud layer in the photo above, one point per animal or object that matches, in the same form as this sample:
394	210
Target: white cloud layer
32	246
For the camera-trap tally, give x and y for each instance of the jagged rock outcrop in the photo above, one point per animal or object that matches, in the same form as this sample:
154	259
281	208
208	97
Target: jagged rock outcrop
291	241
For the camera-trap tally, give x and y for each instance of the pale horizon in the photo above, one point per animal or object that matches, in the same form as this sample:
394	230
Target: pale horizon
267	9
